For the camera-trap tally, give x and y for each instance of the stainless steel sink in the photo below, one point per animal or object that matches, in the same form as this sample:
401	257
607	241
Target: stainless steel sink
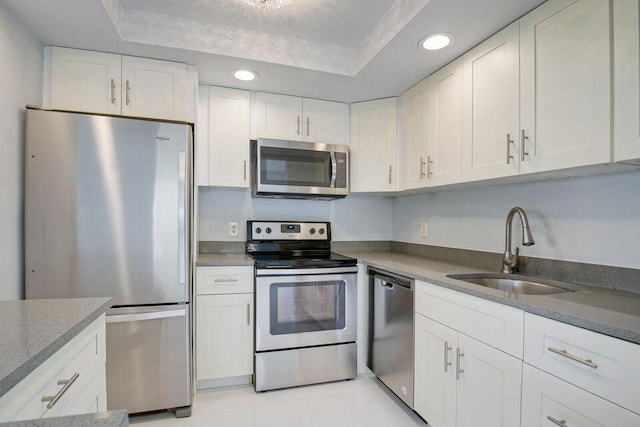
513	284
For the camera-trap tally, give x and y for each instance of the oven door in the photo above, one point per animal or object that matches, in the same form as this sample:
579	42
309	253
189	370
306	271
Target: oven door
304	310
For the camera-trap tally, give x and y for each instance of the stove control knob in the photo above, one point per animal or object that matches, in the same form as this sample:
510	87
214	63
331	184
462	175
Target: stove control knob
268	230
258	230
312	231
321	231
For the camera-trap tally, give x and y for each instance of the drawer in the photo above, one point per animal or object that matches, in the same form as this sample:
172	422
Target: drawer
84	355
546	398
224	280
494	324
605	366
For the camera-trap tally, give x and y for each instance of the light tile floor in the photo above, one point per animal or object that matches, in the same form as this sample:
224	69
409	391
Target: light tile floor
361	402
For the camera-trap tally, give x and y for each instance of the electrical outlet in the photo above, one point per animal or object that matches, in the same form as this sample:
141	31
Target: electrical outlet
233	229
423	229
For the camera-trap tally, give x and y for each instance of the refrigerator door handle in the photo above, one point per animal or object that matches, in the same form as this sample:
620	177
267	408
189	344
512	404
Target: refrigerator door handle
121	318
182	218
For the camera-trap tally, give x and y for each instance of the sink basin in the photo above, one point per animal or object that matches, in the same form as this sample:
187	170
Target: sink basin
512	284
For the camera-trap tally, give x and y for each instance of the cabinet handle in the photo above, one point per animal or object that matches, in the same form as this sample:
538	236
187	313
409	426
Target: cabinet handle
298	121
308	126
245	170
523	137
564	353
113	91
561	423
459	371
248	314
446	356
509	142
127	91
390	172
67	384
422	163
225	280
429	163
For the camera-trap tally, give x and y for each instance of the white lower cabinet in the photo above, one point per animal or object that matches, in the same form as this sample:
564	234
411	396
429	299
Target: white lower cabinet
549	401
224	325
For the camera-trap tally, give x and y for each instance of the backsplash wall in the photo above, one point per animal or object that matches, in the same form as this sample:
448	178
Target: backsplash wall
592	219
357	217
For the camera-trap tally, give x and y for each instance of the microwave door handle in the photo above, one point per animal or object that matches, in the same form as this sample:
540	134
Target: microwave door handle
334	169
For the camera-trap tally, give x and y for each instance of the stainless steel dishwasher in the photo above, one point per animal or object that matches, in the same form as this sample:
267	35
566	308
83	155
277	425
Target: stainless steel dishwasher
391	332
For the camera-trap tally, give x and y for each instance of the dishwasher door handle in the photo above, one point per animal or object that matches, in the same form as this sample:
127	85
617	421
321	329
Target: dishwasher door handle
387	285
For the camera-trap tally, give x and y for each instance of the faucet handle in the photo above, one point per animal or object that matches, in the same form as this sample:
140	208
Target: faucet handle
510	261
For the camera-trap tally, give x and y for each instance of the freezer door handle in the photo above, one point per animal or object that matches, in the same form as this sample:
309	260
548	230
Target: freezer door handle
121	318
182	218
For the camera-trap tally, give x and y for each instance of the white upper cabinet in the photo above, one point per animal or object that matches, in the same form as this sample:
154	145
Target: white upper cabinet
444	125
300	119
154	89
565	85
414	136
229	127
374	144
491	107
626	46
83	80
104	83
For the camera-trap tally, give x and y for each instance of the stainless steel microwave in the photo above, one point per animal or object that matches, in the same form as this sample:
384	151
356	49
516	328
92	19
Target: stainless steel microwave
299	170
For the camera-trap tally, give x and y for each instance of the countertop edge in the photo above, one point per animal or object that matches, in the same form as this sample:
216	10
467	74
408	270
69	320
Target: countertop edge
115	418
20	373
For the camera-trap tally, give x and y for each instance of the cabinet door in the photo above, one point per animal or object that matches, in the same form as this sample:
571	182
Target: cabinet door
374	143
154	89
229	127
444	125
626	68
278	116
224	337
414	135
324	121
489	388
549	401
491	107
435	372
565	85
85	81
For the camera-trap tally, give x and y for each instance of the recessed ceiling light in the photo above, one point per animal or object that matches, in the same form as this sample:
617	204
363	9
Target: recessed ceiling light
436	41
245	75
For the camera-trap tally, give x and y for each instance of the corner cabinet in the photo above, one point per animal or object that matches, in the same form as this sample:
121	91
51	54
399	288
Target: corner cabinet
224	325
374	145
300	119
105	83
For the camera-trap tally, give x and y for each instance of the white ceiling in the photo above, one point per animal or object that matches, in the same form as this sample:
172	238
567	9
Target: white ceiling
343	50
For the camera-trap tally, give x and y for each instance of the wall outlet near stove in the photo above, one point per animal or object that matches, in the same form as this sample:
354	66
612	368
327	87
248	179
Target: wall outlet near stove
233	229
423	229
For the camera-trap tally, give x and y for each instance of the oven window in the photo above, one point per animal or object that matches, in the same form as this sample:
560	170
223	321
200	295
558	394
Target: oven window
287	166
307	307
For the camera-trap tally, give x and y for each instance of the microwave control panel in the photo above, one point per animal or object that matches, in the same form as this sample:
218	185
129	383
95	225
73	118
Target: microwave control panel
341	170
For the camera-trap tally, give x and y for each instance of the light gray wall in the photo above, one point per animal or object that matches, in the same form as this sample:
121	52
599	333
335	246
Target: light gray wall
357	217
593	219
20	83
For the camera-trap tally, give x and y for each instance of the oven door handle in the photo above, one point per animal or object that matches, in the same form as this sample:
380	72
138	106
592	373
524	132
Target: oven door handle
305	271
334	169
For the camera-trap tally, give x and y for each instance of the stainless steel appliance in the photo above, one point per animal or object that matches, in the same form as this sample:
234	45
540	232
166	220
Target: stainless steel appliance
299	170
391	333
305	305
107	214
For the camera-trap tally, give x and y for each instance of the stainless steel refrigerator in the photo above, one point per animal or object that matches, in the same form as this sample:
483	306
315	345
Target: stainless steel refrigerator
107	208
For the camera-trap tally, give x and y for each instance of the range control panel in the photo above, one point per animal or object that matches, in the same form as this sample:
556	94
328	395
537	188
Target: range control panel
277	230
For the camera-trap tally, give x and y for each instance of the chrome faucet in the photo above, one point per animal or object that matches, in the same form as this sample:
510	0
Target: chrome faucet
510	261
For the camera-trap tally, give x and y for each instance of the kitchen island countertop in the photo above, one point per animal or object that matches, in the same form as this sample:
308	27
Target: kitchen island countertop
117	418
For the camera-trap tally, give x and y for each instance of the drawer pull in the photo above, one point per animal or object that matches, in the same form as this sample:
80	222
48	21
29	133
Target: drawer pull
587	362
67	384
225	280
561	423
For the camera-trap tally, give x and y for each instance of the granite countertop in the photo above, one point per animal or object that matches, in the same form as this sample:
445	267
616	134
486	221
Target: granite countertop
102	419
614	313
220	259
32	330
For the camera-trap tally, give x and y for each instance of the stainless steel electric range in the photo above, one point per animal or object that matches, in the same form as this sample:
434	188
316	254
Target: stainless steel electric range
305	305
